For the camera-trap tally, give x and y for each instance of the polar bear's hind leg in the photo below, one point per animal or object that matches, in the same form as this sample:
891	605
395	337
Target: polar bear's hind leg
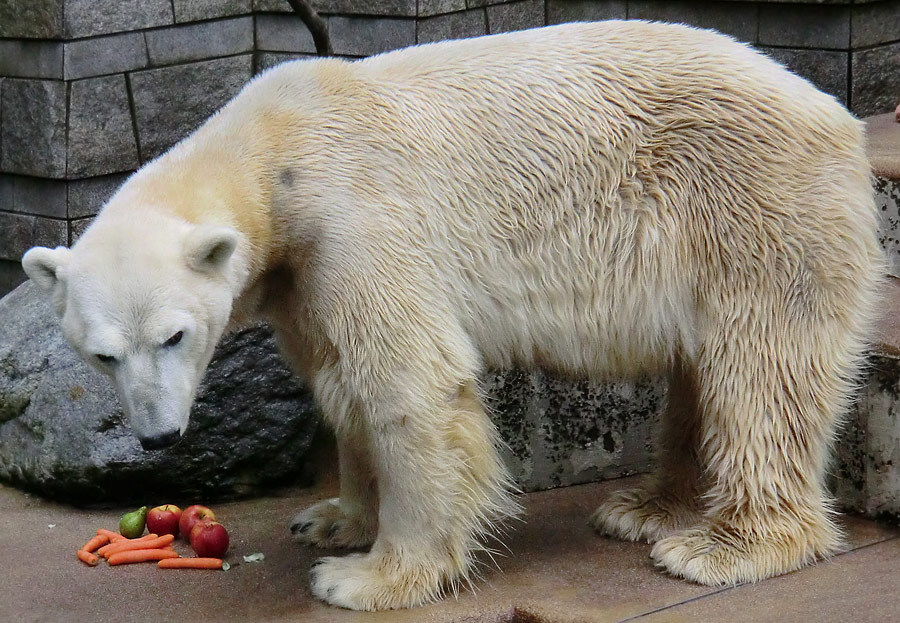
670	500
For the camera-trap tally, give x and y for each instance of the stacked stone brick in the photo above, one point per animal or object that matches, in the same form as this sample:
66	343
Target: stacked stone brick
91	89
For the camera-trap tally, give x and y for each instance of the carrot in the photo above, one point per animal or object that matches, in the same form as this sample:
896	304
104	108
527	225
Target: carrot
95	543
103	551
140	555
155	542
150	541
113	536
190	563
87	558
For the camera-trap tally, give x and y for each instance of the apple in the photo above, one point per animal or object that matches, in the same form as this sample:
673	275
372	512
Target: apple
164	520
209	539
191	515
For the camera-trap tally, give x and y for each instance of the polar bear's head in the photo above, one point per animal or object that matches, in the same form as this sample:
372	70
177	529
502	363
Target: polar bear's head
144	299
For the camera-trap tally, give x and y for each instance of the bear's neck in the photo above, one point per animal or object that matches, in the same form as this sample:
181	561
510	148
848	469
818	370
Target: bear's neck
221	179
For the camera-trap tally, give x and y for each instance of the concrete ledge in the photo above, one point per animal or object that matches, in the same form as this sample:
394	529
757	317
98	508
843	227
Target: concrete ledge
883	136
867	465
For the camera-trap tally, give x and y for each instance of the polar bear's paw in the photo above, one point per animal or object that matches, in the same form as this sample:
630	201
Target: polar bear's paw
640	515
330	524
717	558
373	582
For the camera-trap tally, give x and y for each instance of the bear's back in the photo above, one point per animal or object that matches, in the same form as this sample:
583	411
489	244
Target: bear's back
576	187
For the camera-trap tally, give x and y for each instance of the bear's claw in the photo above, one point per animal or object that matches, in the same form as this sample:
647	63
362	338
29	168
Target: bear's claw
328	524
300	528
640	515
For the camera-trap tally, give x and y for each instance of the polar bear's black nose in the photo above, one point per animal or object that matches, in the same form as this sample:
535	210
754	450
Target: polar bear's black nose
160	441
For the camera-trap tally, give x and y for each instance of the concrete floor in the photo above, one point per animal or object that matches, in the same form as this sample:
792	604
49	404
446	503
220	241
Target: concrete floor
558	572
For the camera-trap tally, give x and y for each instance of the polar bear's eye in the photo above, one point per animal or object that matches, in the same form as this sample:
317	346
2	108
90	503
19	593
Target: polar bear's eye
172	341
107	359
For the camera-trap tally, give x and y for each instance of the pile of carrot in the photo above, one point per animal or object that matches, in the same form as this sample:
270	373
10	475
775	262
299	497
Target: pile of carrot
118	550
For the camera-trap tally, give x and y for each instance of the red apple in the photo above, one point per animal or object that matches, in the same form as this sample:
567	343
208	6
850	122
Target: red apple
164	519
190	516
209	539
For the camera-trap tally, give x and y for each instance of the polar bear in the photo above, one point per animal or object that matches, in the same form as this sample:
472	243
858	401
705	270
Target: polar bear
598	199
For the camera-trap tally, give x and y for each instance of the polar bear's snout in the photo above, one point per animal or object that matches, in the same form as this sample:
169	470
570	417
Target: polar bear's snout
156	422
158	442
156	390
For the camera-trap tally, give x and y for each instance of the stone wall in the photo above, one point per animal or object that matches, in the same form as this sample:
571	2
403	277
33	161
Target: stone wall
91	89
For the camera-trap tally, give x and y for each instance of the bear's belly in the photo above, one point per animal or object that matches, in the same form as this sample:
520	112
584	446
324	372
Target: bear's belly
575	324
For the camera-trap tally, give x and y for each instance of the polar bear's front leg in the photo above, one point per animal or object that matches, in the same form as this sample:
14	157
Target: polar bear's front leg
352	519
442	487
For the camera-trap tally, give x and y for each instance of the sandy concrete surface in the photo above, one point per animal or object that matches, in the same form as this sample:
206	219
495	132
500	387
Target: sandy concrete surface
556	571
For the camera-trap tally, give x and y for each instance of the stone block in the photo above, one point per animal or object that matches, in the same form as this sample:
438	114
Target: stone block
33	127
173	101
40	19
393	8
738	19
272	6
887	198
20	232
101	132
876	80
515	16
11	276
804	26
867	466
197	10
105	55
471	23
564	11
87	18
875	23
283	33
427	8
78	226
365	36
87	196
195	42
477	4
31	59
562	432
827	69
32	195
267	60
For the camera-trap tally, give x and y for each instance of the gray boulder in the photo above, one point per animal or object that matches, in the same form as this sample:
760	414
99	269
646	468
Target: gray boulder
63	434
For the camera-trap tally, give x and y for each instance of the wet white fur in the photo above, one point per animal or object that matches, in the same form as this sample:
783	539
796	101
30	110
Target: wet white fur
600	199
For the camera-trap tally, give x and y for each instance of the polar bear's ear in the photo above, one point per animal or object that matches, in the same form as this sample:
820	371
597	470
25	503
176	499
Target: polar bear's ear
208	248
42	265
